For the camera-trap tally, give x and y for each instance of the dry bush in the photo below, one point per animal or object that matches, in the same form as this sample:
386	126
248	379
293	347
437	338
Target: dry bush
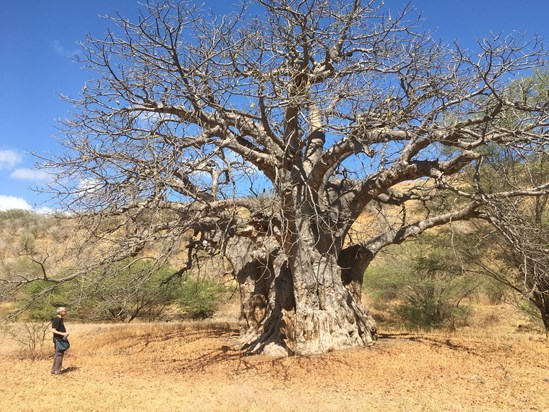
29	337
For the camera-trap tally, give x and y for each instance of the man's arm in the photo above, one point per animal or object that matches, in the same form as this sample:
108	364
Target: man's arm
56	332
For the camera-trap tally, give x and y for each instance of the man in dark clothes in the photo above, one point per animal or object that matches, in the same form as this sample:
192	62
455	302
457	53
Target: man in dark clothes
59	333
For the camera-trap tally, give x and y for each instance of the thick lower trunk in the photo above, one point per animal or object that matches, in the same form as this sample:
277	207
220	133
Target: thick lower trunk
541	299
265	296
304	310
273	328
327	316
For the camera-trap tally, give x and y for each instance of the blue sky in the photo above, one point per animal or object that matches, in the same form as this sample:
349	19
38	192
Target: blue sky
38	39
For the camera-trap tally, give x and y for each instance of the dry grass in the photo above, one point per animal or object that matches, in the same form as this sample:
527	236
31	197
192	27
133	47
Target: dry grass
195	367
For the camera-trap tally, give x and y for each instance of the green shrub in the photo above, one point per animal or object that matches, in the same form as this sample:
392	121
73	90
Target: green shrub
122	293
423	283
44	297
495	291
432	313
200	298
125	292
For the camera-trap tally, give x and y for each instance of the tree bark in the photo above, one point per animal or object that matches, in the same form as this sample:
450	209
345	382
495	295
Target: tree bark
540	297
299	306
327	316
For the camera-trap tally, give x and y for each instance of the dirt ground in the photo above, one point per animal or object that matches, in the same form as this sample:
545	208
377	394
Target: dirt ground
196	367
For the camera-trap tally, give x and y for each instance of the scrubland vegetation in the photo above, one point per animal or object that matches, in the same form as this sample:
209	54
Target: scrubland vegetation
423	284
450	338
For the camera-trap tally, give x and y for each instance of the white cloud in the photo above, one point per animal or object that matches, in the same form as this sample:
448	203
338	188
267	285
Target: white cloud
62	51
29	174
45	210
88	185
9	158
150	119
12	202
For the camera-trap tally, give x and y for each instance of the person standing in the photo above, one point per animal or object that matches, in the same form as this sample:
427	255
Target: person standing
59	334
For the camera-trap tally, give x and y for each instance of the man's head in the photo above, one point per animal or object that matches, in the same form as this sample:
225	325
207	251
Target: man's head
61	311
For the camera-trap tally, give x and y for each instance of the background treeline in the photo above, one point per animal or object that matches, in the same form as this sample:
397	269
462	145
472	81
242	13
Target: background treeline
430	282
36	250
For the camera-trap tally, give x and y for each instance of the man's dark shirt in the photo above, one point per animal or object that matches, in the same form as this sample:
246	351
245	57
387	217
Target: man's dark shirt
58	324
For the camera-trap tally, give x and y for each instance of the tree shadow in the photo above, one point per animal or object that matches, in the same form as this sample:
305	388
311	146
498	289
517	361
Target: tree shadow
431	341
69	370
206	360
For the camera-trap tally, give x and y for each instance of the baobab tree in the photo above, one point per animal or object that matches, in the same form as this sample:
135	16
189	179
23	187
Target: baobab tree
267	133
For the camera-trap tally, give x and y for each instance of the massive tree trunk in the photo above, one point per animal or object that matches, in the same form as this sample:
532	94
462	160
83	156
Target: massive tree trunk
327	316
298	305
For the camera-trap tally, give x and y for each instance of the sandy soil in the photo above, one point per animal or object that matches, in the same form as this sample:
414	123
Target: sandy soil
182	367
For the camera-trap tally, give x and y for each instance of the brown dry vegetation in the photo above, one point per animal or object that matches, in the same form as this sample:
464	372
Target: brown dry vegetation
489	366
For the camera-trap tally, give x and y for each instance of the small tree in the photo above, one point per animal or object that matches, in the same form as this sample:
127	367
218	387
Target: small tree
425	281
521	223
126	291
29	336
521	246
